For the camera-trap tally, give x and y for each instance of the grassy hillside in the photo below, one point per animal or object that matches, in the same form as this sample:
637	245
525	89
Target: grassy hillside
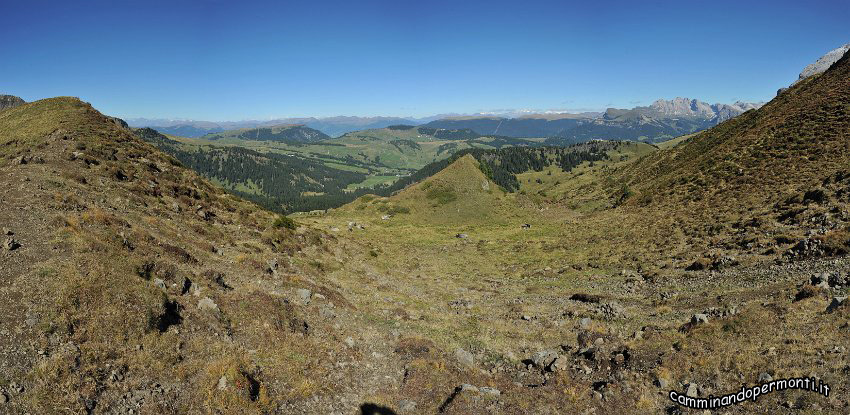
133	284
708	264
290	134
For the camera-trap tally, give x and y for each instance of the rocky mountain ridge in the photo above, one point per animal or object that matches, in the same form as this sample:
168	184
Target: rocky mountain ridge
10	101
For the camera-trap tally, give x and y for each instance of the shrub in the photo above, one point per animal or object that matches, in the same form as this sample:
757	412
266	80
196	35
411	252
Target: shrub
441	194
284	222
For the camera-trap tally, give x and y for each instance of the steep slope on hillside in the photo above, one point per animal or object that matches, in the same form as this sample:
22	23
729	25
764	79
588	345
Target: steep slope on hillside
133	285
750	172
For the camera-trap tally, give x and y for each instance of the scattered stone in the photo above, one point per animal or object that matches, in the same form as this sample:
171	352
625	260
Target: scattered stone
559	364
836	303
699	319
584	323
304	295
159	283
349	342
11	244
526	317
661	383
765	377
468	388
597	395
406	405
7	232
207	303
272	266
222	383
464	357
461	236
185	285
691	390
543	359
490	391
3	398
385	217
611	311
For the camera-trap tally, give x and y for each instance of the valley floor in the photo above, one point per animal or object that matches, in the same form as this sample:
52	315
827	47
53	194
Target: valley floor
557	328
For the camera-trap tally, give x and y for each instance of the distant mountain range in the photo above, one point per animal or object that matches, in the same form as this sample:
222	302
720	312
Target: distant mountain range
658	122
332	126
663	116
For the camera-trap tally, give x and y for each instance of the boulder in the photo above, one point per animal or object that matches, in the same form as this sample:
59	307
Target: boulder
836	303
304	295
543	359
699	318
691	390
464	357
11	244
207	303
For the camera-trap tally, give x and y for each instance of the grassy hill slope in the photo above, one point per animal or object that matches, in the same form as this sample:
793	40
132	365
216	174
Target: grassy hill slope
133	284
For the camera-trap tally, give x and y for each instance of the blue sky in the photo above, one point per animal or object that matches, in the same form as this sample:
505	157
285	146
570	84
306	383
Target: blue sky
233	60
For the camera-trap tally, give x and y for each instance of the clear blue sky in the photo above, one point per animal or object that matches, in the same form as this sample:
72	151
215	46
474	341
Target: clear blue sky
232	60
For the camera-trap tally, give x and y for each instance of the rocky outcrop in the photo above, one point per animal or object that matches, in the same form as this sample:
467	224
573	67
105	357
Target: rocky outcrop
10	101
685	107
821	65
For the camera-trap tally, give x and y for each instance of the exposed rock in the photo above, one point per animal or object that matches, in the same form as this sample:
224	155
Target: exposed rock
611	311
207	303
464	357
272	266
823	63
468	388
543	359
691	390
560	363
10	101
11	244
406	405
304	295
490	391
836	303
